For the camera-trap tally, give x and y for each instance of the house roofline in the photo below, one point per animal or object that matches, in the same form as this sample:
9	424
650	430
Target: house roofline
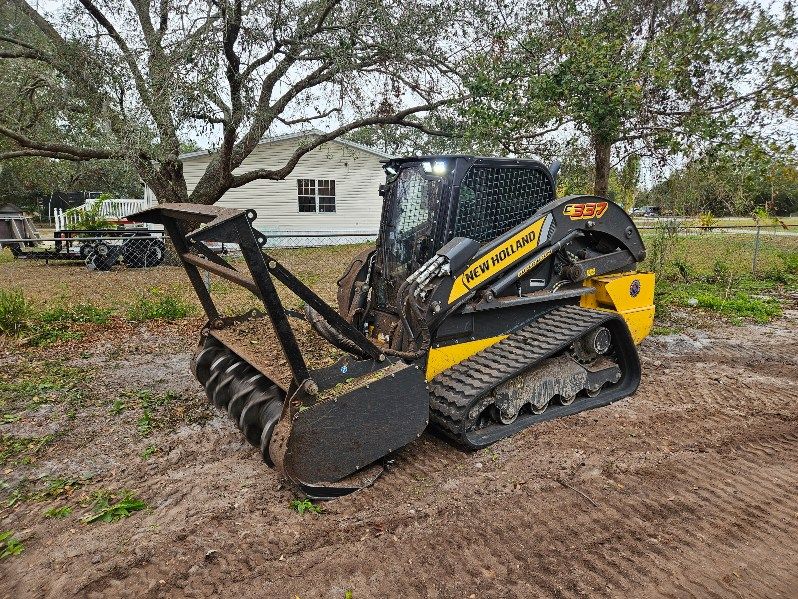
299	135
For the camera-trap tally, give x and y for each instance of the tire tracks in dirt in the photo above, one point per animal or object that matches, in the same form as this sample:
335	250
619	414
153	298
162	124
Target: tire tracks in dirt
694	478
690	542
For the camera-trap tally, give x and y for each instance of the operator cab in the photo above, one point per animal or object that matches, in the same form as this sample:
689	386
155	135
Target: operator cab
428	200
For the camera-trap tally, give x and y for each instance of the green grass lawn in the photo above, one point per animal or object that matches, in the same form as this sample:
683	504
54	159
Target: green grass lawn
715	272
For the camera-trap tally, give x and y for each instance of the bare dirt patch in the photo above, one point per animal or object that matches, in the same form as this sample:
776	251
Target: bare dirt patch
685	489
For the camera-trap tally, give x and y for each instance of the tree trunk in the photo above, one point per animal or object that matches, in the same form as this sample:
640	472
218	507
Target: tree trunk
602	152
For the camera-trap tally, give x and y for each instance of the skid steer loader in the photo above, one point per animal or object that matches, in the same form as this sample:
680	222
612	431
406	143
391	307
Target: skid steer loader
486	306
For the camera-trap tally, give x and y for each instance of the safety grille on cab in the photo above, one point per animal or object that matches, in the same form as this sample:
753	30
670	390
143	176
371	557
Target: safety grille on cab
493	200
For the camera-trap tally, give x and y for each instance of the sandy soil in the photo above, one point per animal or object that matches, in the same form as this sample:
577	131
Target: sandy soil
686	489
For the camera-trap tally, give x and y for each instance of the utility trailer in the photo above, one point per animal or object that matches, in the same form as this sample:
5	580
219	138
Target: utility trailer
98	249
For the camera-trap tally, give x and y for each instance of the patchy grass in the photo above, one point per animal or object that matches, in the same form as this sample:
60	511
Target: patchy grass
121	291
53	488
714	272
22	450
665	330
81	312
708	257
58	512
147	453
300	506
9	545
20	318
110	506
145	423
732	303
59	487
159	410
36	383
160	304
47	334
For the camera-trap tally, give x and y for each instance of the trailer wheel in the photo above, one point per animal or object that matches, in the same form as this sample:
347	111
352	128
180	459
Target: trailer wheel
141	253
85	250
102	257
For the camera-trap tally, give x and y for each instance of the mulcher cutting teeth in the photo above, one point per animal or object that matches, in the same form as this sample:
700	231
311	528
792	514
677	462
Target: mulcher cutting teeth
251	400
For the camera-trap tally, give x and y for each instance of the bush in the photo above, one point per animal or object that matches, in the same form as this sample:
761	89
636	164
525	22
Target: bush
15	312
707	220
91	219
159	304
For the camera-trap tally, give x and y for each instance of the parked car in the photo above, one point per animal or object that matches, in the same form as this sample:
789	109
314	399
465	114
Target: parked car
646	211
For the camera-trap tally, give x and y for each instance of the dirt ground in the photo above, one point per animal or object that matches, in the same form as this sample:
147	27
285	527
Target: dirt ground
686	489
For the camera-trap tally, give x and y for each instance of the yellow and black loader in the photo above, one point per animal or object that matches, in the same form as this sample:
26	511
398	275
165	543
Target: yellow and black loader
487	305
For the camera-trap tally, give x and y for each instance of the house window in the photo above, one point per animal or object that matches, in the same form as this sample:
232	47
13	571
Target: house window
316	195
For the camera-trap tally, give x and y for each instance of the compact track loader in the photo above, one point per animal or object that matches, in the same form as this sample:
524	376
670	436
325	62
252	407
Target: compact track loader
486	306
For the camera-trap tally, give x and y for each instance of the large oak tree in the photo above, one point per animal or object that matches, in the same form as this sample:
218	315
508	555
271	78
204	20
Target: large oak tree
127	80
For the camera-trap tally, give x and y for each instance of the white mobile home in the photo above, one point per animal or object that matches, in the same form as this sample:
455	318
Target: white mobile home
333	189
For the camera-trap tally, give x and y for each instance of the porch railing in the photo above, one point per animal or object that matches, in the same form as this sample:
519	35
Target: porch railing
113	210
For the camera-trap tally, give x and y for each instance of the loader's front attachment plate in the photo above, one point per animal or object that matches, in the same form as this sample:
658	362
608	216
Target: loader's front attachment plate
338	436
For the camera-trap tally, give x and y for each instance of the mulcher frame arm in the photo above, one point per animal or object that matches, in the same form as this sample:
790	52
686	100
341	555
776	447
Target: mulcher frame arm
234	226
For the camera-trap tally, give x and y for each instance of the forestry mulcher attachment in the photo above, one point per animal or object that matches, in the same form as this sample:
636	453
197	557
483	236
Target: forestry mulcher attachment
486	306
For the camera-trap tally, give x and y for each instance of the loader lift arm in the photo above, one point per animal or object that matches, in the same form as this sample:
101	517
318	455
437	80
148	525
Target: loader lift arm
233	226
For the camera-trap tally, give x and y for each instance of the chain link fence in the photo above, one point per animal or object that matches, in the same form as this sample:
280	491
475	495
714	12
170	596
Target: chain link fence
129	272
763	250
98	250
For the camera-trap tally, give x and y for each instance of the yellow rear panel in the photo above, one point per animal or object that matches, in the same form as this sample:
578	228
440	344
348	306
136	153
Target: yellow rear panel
629	294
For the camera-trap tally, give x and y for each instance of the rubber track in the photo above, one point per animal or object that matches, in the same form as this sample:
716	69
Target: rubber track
454	391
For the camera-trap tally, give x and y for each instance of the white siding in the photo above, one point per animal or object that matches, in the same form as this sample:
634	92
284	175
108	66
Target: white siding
357	174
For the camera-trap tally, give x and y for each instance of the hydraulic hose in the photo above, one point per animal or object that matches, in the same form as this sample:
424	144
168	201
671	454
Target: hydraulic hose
323	328
411	304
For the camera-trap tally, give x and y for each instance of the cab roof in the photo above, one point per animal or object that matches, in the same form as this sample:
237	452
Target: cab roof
467	157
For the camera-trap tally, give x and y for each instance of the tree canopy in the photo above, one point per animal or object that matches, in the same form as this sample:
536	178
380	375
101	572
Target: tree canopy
735	180
102	79
633	77
633	81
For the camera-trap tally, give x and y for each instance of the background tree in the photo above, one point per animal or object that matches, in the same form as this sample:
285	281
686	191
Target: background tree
136	78
640	77
734	180
23	93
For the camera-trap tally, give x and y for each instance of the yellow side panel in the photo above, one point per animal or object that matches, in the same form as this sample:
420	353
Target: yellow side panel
629	294
441	358
639	322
